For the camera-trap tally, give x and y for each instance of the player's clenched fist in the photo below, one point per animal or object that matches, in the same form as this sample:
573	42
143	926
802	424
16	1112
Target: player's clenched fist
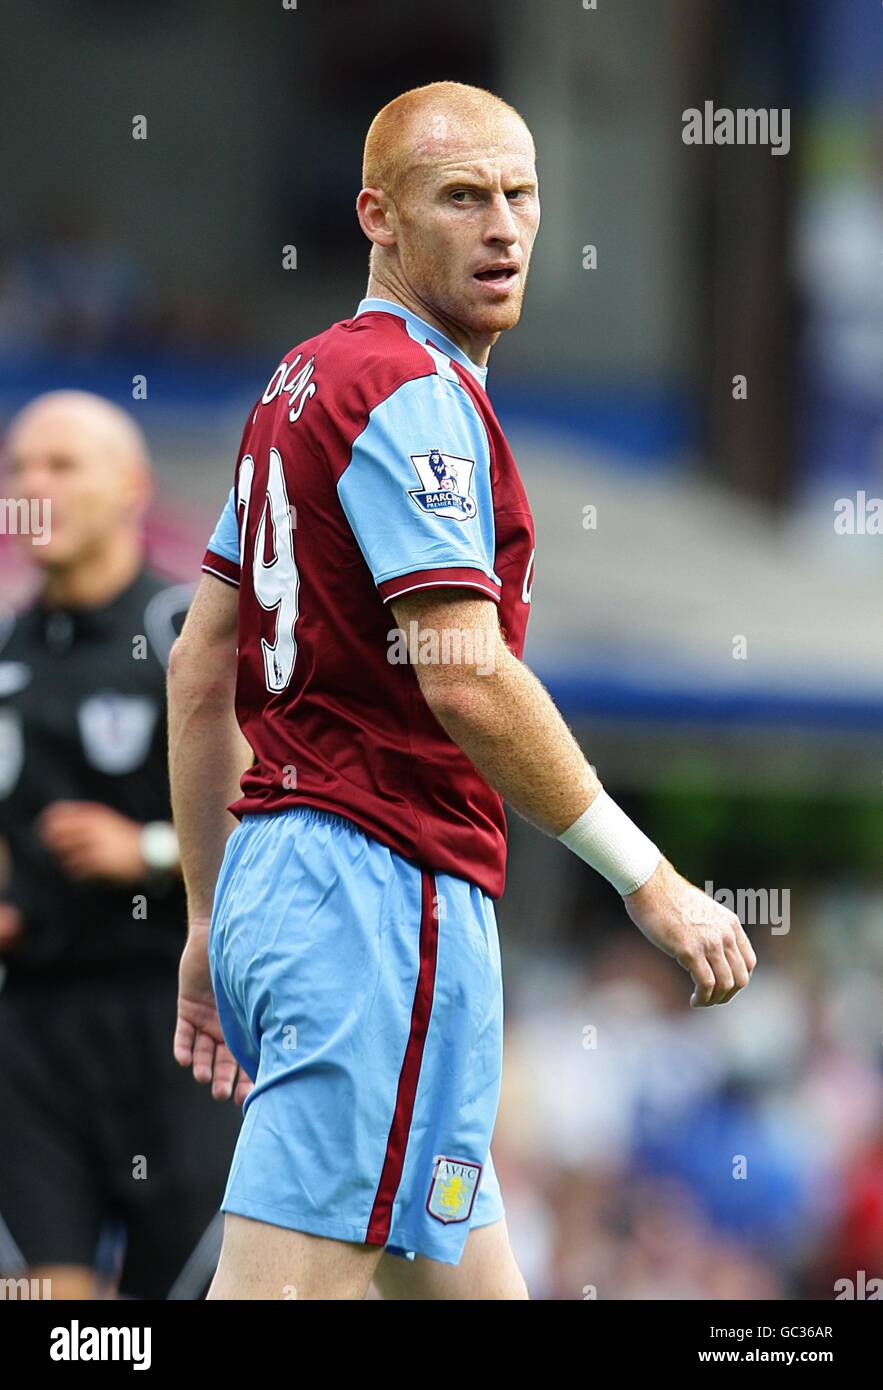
701	934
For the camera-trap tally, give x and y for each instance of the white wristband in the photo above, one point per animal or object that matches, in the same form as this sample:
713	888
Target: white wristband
605	838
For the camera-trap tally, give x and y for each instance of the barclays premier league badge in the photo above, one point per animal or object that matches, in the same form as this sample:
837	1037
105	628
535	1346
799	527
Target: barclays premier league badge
446	482
452	1190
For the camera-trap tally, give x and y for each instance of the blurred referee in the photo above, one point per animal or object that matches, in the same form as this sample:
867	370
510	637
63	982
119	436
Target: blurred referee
112	1163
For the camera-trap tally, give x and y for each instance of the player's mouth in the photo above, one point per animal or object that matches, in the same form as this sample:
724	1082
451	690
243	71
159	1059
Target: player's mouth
498	277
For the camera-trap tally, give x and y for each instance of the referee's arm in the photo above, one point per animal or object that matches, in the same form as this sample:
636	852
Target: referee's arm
505	721
10	917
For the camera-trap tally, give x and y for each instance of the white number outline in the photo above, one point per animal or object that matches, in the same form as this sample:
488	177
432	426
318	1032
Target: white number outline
276	585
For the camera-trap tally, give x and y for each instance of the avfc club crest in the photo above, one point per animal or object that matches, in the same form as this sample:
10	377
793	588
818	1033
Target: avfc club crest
446	483
452	1190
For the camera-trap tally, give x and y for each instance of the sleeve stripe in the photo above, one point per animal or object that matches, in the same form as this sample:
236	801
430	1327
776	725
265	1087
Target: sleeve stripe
221	567
439	579
234	583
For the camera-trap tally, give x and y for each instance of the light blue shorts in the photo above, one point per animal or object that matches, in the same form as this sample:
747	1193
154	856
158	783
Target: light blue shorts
363	995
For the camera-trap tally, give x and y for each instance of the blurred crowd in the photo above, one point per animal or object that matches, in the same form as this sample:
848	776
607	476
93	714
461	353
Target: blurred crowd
71	283
649	1151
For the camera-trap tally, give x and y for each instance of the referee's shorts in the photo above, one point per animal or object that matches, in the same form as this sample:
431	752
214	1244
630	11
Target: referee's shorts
110	1152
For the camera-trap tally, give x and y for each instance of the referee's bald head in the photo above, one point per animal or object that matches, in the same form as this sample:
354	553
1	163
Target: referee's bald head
88	459
111	431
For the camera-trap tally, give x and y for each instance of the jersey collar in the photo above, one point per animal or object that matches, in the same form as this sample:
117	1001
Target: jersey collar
61	623
438	339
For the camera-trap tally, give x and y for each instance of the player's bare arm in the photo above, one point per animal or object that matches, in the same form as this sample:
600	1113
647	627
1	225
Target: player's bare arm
207	754
545	777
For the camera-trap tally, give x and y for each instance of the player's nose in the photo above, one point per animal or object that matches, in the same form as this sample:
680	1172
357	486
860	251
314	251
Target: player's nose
501	225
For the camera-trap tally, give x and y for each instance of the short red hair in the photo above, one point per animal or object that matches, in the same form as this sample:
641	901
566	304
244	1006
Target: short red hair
413	121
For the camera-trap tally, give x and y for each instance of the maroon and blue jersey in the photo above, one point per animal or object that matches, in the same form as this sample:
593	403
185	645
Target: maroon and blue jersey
372	466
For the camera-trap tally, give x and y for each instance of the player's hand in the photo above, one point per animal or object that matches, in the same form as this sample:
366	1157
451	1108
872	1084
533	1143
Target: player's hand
11	925
702	935
199	1041
93	841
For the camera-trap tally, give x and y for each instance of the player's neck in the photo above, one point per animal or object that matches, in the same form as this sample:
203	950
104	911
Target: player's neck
477	349
93	581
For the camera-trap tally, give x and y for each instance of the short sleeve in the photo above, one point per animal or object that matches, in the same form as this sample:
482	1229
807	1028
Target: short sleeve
417	491
222	553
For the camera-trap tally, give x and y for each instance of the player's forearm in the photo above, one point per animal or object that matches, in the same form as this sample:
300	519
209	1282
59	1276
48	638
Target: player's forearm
207	756
509	727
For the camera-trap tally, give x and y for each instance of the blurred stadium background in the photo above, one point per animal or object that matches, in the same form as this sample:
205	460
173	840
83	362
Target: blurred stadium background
757	766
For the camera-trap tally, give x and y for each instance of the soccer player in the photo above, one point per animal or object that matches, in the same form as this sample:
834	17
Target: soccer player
374	566
98	1135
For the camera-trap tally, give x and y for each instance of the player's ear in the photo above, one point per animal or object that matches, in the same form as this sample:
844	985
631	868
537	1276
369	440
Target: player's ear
373	212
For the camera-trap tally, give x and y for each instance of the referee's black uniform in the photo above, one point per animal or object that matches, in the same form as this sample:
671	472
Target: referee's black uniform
100	1129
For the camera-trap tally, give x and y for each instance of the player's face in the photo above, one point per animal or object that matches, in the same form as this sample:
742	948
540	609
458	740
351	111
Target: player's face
467	228
57	458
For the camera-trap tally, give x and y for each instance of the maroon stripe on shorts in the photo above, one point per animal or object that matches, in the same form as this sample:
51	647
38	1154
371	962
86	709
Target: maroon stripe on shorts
397	1142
